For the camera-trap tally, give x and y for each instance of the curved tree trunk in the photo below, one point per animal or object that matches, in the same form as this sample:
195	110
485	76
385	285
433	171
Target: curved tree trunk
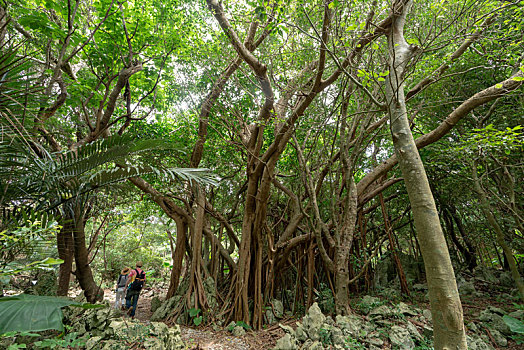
84	274
446	308
64	243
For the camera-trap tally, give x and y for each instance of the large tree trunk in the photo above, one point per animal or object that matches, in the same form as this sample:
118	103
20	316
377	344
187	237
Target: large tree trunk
445	303
178	257
64	243
84	274
343	249
195	296
257	197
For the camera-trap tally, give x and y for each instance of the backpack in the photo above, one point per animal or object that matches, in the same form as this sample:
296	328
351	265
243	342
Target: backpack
121	281
138	283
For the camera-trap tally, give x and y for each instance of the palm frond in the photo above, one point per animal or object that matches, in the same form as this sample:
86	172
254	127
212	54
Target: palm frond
97	153
19	93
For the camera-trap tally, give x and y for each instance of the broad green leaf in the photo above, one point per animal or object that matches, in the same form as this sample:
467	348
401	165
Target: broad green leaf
515	325
35	313
197	320
193	312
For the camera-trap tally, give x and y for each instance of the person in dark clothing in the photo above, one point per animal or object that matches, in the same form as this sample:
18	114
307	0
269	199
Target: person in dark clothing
135	282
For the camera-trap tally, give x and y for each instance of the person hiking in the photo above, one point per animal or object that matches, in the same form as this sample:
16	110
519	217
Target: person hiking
134	284
120	289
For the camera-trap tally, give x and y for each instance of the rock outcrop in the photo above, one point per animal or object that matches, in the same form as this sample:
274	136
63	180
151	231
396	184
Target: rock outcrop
105	329
400	326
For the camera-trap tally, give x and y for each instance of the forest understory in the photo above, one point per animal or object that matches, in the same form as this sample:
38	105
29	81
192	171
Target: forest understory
290	174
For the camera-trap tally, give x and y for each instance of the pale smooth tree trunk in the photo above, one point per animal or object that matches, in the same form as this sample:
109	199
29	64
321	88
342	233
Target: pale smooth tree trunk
446	308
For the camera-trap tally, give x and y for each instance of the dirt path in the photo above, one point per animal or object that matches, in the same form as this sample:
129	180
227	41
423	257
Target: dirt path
193	338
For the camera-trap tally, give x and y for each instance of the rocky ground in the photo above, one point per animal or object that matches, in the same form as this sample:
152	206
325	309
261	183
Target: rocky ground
382	321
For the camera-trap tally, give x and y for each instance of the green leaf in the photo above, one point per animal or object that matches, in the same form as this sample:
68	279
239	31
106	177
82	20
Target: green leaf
515	325
193	312
34	313
197	320
498	86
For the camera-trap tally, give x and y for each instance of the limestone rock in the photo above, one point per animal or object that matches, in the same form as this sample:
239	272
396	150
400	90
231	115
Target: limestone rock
270	317
472	327
337	337
413	331
375	341
239	331
329	321
495	310
278	308
491	318
499	338
506	280
167	306
210	291
405	309
113	345
401	337
287	329
427	332
368	302
155	303
46	283
476	343
231	326
287	342
519	314
92	342
466	288
488	275
307	344
427	314
350	325
313	321
316	346
300	333
382	311
497	323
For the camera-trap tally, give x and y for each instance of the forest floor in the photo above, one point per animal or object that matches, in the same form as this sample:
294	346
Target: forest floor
209	339
200	338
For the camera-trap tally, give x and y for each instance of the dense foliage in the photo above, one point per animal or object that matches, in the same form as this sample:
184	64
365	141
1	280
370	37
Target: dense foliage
111	112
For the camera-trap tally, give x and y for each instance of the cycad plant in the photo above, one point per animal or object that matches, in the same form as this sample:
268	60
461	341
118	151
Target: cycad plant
30	176
34	179
46	180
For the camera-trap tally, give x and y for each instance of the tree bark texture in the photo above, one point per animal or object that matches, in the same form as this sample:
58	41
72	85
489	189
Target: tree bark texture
343	249
64	243
446	309
84	274
178	257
